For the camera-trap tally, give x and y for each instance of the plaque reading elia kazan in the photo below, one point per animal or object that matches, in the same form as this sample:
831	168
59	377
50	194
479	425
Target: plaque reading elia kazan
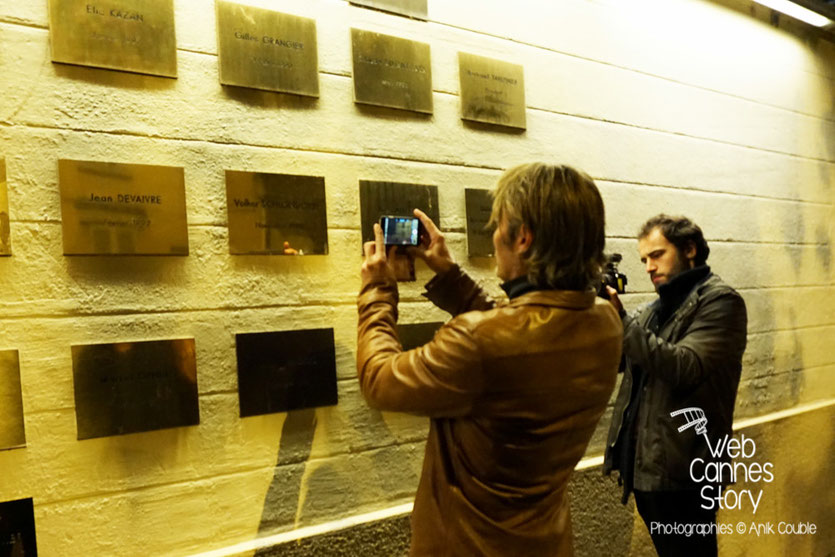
129	387
122	209
414	335
393	198
17	528
12	434
268	50
492	91
276	214
130	35
417	9
5	224
285	370
390	71
479	205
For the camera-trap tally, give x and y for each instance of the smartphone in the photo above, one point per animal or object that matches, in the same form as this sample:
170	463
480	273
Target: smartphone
400	231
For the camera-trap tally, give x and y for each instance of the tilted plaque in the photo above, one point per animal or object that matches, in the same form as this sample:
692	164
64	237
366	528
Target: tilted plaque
415	335
417	9
130	35
479	205
492	91
122	209
130	387
390	71
12	434
393	198
5	224
268	50
17	528
285	370
276	214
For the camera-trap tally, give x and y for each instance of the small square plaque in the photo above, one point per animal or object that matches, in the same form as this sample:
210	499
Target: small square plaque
415	335
391	71
17	528
129	387
12	434
417	9
5	225
285	370
393	198
492	91
122	209
479	207
268	50
130	35
276	214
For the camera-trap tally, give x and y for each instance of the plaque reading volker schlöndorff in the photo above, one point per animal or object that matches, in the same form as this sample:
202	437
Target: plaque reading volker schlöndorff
129	387
287	370
417	9
479	238
122	209
414	335
391	71
492	91
130	35
268	50
17	528
393	198
276	214
5	226
12	434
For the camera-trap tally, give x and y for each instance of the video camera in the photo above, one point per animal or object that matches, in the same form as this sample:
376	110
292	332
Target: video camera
611	276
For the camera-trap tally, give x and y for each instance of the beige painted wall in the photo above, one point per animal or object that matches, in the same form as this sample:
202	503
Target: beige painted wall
685	106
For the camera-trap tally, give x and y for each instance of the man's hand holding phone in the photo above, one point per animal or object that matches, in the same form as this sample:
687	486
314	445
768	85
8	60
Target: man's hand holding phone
432	247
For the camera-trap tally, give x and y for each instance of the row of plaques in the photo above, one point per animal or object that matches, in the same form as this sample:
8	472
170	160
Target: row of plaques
136	209
268	50
132	387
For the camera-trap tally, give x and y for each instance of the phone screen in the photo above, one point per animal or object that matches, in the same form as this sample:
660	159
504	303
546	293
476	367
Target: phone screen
400	231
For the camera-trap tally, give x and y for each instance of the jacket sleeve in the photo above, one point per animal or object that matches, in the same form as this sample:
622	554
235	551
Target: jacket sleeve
440	379
456	292
716	336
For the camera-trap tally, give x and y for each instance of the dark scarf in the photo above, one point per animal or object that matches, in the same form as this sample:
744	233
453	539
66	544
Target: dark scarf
518	286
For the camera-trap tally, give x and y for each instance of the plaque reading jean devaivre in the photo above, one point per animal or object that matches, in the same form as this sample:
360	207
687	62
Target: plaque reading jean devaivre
268	50
479	205
285	370
122	209
12	434
17	528
492	91
393	198
130	35
129	387
390	71
5	226
276	214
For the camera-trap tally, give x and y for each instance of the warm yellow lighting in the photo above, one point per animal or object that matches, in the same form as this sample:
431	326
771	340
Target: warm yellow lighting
797	12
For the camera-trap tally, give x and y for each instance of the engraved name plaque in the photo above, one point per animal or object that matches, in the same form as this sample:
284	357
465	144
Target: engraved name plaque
417	9
285	370
130	35
414	335
390	71
12	434
122	209
479	238
492	91
17	528
129	387
393	198
5	225
268	50
276	214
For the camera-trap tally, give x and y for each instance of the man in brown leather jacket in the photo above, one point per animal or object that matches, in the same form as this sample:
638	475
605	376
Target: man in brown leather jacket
514	390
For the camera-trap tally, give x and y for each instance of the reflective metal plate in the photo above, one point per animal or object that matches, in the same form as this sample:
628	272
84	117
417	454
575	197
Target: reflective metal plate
131	35
393	198
269	50
128	387
122	209
285	370
278	214
479	238
390	71
5	226
417	9
17	528
492	91
12	434
414	335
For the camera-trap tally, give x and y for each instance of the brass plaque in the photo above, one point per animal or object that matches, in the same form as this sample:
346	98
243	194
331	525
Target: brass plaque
128	387
492	91
415	335
17	528
393	198
122	209
417	9
285	370
479	205
5	223
130	35
276	214
268	50
12	434
390	71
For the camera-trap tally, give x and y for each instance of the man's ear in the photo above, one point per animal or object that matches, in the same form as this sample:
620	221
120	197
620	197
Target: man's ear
690	251
524	240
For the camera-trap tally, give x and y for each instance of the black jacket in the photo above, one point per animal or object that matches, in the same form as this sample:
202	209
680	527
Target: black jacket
694	360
